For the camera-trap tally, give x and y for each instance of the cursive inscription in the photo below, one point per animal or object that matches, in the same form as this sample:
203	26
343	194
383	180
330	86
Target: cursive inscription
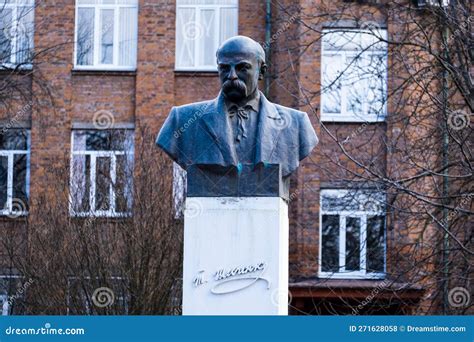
234	279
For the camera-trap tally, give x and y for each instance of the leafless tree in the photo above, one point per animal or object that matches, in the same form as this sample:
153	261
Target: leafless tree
420	154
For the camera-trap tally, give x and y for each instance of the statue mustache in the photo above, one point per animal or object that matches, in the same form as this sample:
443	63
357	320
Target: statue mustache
234	85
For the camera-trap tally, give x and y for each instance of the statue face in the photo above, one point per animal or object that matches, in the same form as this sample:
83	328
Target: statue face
239	73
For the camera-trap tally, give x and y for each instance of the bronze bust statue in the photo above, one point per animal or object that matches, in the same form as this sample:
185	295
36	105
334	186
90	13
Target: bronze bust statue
230	145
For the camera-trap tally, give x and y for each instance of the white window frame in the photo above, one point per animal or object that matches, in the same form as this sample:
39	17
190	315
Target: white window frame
326	55
362	214
92	194
115	66
10	154
198	48
13	5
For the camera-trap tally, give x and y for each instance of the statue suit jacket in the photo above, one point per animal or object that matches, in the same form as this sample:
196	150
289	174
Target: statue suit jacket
201	134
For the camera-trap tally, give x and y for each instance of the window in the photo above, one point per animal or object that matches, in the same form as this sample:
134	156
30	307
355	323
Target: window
101	173
352	234
14	171
354	75
201	26
16	32
106	34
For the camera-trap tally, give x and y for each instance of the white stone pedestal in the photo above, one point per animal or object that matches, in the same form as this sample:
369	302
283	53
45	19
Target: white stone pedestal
235	256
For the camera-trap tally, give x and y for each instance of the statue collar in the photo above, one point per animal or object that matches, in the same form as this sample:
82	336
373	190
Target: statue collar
254	103
217	124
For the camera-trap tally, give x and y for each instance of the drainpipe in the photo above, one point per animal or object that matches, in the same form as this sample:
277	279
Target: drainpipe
268	34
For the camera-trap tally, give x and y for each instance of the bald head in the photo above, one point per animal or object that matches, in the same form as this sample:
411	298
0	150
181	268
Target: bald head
241	44
241	63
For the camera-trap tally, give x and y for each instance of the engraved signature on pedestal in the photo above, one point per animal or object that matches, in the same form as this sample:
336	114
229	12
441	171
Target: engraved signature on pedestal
248	275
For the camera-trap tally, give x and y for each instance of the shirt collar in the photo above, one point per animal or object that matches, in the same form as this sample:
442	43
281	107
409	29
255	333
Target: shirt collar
253	103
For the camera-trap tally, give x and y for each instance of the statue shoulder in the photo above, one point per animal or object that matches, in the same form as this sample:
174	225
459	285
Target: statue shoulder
190	110
294	114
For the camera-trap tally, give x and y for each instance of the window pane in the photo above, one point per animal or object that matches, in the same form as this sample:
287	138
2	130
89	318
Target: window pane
3	181
332	69
377	85
19	180
103	183
14	139
352	243
355	80
209	47
106	140
228	23
85	36
128	36
375	243
25	34
123	186
6	31
330	243
106	36
357	200
186	33
80	187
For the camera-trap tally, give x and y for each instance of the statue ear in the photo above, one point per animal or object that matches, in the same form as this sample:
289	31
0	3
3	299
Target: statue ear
263	70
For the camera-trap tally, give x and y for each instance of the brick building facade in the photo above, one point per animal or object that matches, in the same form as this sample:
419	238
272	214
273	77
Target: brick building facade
70	95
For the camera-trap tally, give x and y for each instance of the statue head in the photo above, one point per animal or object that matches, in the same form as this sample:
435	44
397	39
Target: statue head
241	63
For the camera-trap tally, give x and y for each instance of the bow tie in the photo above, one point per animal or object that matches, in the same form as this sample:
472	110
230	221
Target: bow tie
242	114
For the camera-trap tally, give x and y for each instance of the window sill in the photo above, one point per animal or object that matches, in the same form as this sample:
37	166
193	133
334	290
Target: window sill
108	72
329	275
196	71
100	216
10	217
8	68
351	119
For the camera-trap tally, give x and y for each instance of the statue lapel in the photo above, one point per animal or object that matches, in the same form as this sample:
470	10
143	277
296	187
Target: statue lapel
217	125
268	132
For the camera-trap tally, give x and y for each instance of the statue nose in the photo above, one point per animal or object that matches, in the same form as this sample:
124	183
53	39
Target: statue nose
233	75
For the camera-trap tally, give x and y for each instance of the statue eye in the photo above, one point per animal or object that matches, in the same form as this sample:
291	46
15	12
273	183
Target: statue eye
244	67
224	67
